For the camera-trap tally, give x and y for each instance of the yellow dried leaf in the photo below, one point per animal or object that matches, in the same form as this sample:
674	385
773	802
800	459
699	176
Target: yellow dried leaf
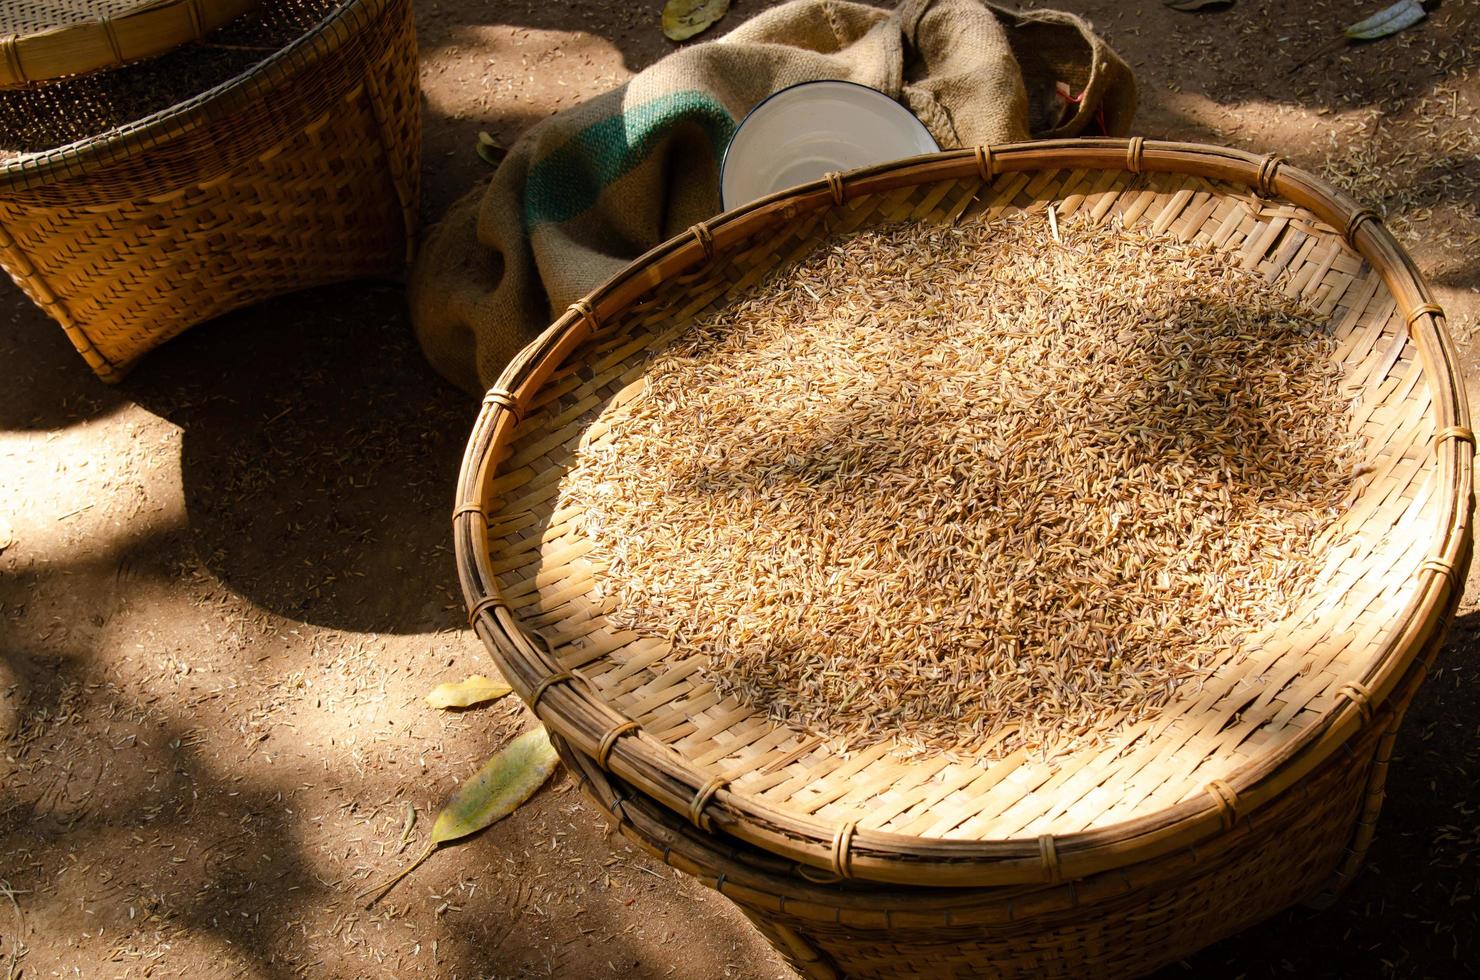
475	690
682	19
506	780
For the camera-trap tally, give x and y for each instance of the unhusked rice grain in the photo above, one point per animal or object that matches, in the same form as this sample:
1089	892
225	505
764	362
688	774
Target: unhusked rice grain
973	486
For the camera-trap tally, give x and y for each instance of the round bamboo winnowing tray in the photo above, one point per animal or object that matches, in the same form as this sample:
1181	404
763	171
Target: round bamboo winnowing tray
42	40
1245	739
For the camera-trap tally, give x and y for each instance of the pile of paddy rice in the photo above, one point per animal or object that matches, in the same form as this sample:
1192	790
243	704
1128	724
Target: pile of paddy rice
975	488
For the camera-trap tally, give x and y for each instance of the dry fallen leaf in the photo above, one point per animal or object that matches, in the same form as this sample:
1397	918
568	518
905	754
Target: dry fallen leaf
506	780
682	19
464	694
7	536
490	150
1389	20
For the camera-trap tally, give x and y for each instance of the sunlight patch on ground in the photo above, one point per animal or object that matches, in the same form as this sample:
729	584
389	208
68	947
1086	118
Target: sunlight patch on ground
522	71
111	478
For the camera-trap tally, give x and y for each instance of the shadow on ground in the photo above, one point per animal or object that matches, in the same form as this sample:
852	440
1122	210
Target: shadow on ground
318	454
199	842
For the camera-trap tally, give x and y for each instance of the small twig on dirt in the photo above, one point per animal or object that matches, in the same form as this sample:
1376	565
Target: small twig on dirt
409	825
74	513
11	893
12	972
381	890
1321	52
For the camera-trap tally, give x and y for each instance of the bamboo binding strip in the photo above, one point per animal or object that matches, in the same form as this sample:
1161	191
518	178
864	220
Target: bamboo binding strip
1205	764
1117	923
59	38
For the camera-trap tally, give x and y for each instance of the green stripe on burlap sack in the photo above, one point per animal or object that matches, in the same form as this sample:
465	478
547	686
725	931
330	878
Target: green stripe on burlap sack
591	188
570	180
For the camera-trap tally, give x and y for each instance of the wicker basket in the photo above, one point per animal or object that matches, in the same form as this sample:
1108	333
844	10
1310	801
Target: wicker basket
302	171
1259	790
1117	923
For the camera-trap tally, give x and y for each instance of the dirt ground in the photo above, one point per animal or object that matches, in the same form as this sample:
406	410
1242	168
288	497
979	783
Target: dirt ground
225	585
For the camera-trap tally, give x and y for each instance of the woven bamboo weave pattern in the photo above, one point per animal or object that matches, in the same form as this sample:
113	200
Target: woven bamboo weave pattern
1116	924
1257	788
41	15
1119	923
302	172
48	39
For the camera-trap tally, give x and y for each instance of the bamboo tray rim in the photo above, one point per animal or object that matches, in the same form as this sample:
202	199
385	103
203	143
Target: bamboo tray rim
595	729
221	101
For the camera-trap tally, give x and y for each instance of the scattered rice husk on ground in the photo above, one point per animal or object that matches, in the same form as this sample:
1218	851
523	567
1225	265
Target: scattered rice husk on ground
973	488
1410	166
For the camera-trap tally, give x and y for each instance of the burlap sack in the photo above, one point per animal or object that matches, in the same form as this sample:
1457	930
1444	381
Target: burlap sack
584	192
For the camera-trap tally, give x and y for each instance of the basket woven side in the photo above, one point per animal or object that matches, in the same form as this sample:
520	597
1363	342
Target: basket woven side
131	238
1116	924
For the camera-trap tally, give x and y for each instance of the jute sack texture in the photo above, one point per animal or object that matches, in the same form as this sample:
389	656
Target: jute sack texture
589	189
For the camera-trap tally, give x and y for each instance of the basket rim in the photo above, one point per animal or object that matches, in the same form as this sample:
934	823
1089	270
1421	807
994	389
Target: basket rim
200	111
595	729
95	43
